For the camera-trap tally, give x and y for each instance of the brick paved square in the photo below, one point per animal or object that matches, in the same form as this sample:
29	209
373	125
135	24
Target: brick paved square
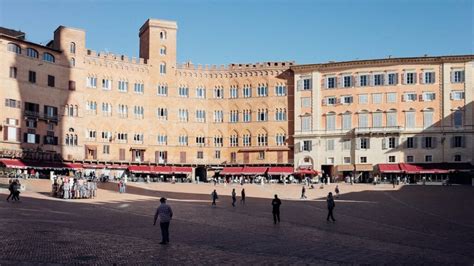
375	225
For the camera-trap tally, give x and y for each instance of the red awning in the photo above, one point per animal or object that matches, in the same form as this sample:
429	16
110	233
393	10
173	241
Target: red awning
389	168
181	170
306	172
249	170
94	166
424	168
231	171
280	170
117	166
409	168
13	163
161	169
73	165
140	169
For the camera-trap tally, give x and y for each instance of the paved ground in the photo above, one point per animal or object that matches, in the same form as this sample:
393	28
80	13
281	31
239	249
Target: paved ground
375	225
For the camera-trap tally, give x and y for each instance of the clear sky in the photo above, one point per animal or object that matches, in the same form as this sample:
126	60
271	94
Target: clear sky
245	31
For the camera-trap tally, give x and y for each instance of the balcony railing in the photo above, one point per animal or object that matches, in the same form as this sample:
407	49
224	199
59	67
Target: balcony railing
33	114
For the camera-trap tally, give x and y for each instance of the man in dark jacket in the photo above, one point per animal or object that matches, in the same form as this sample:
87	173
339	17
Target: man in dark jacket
331	205
11	189
276	202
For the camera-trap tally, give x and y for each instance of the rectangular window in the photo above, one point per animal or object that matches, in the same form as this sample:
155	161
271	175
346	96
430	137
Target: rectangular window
347	144
306	123
330	122
331	100
364	120
391	159
428	142
411	142
392	119
428	158
183	115
200	155
201	116
13	72
409	97
262	90
305	102
233	157
162	113
428	96
429	77
410	159
50	81
364	143
307	84
183	140
392	78
106	149
410	119
161	156
247	140
307	145
347	81
347	160
347	99
247	115
378	79
363	80
330	145
457	95
331	82
12	103
32	76
261	155
457	142
427	119
363	99
377	98
363	159
218	93
457	76
391	97
457	158
217	154
410	78
392	143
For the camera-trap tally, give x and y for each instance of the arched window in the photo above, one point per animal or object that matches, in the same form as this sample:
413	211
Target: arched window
163	68
163	50
331	121
72	63
13	47
163	35
48	57
67	139
427	117
75	140
32	52
72	48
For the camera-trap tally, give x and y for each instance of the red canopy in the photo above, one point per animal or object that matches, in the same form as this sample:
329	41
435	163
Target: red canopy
280	170
181	170
117	166
149	169
424	168
73	165
94	166
389	168
13	163
306	172
231	171
250	170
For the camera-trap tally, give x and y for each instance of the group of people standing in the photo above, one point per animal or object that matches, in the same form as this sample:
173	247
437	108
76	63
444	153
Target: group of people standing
74	188
214	197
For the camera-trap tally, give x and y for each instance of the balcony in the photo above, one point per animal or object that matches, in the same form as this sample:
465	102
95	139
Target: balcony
51	118
31	114
377	130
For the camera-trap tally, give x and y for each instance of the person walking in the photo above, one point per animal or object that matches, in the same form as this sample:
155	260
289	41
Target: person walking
214	197
303	192
337	191
234	198
10	188
331	205
276	202
242	196
16	190
165	213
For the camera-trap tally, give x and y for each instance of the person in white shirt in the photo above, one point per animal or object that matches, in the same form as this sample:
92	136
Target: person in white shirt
165	213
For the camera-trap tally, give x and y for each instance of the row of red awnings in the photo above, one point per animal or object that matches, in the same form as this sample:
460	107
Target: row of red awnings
425	168
20	164
255	170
